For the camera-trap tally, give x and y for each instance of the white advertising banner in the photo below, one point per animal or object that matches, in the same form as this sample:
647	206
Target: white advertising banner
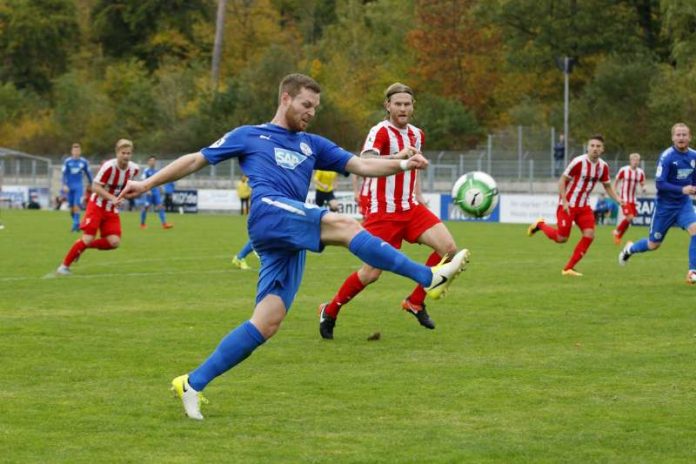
525	209
218	200
347	205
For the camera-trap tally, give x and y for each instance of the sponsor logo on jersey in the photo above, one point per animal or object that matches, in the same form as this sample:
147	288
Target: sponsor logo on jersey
218	143
288	159
306	149
684	173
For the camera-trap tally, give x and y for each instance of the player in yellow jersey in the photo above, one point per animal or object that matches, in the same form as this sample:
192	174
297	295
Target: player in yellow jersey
325	182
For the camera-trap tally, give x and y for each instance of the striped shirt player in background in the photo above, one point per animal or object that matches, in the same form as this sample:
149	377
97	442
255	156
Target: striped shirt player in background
675	180
394	210
153	198
629	177
73	169
102	214
575	186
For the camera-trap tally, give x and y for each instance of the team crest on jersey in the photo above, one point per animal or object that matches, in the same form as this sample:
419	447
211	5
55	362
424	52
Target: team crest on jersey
306	149
288	159
658	236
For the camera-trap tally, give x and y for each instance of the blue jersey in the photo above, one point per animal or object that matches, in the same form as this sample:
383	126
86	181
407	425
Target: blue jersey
169	188
277	161
72	172
675	169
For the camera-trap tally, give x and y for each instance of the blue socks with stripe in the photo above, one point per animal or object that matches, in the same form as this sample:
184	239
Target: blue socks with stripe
245	250
378	253
233	349
692	253
641	246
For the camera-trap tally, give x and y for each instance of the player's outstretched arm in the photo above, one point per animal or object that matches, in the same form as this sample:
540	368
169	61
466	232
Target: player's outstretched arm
368	167
181	167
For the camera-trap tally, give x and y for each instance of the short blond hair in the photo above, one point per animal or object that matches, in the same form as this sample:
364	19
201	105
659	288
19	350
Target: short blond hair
634	156
680	124
123	143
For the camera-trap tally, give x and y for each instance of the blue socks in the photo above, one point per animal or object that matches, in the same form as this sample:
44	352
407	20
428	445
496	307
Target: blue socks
143	215
692	253
246	249
378	253
641	246
76	221
233	349
163	219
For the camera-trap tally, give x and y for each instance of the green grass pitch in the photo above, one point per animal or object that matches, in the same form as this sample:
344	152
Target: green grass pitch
524	366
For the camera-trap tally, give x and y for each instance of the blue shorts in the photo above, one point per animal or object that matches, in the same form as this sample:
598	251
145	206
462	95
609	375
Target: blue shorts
281	230
665	217
75	196
153	198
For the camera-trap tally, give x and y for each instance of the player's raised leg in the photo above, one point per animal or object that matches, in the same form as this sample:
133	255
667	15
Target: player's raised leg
341	230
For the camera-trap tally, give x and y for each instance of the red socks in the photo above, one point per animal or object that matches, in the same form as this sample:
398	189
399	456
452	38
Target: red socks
351	287
579	252
100	244
74	253
417	296
79	246
549	231
621	228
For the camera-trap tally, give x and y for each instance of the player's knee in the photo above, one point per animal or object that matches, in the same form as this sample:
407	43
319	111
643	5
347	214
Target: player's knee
653	245
561	239
368	275
114	241
87	239
588	234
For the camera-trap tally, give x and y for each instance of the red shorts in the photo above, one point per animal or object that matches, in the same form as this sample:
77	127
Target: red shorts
629	209
394	228
98	219
583	217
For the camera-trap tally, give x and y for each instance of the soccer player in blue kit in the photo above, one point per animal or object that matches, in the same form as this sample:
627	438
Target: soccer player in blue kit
153	197
279	158
675	184
73	169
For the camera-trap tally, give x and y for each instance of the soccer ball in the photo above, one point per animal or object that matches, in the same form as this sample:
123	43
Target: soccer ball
476	194
691	277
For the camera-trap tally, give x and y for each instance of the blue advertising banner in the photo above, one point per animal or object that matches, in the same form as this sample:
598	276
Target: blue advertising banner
645	208
185	200
451	212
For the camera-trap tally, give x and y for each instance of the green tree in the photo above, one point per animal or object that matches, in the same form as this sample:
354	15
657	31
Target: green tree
151	30
36	40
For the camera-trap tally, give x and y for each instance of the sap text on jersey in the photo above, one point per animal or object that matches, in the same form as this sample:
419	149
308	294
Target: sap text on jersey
288	159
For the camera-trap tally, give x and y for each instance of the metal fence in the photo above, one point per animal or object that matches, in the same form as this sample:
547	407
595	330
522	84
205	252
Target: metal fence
519	155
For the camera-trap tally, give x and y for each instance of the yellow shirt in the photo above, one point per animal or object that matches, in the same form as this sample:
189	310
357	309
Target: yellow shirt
243	189
327	178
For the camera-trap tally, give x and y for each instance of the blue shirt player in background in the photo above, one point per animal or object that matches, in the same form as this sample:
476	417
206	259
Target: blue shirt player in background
279	158
153	197
73	170
675	184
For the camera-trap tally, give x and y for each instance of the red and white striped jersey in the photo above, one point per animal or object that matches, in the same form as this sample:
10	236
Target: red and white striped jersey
395	193
113	179
630	178
583	175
